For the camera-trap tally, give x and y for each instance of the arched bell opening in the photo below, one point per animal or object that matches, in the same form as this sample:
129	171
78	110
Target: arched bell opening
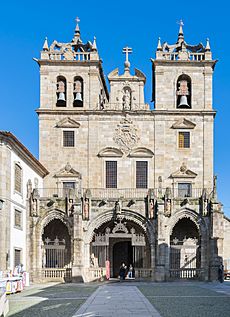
78	92
119	242
185	249
61	91
184	92
56	245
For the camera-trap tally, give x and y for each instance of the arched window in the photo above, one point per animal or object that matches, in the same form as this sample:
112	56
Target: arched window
61	91
184	92
78	92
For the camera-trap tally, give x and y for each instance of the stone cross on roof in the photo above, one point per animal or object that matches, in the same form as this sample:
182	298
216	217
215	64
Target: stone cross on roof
181	33
77	30
127	50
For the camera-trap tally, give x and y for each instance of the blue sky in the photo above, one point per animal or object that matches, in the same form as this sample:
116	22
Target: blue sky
24	25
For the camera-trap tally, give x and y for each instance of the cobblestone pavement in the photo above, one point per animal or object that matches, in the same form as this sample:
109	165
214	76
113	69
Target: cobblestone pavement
189	299
175	299
49	300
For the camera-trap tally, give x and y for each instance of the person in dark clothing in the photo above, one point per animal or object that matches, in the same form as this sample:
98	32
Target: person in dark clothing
221	273
122	271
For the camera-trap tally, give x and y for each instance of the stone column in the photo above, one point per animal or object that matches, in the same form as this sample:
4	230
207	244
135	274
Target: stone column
78	243
216	241
161	247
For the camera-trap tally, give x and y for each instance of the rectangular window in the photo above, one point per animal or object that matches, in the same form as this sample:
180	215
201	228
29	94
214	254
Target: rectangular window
68	188
111	174
184	140
68	138
18	219
141	174
18	178
17	257
184	190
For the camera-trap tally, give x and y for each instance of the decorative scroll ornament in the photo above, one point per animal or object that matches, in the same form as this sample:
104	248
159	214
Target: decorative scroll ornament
126	135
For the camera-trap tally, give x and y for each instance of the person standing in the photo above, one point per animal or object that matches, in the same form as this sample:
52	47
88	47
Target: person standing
122	271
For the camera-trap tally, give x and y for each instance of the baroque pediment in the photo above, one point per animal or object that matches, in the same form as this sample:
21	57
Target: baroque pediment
68	171
141	152
184	172
183	124
68	123
110	152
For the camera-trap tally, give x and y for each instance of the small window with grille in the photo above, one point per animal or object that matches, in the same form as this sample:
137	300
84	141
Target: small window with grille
184	140
141	174
111	174
184	190
18	219
68	139
18	178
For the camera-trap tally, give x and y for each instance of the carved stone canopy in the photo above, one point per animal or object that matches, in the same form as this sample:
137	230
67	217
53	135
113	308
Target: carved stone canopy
68	171
67	123
120	230
184	172
183	124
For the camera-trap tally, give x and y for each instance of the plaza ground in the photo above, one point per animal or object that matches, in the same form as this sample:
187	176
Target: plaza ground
182	299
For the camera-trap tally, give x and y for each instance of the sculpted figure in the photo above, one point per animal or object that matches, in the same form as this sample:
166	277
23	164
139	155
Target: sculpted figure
127	100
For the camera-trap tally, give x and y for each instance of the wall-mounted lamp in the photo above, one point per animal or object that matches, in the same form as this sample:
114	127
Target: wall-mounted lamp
1	203
102	203
131	202
50	203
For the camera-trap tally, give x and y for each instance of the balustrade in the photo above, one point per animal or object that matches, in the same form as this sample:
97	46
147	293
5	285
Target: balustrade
124	193
185	273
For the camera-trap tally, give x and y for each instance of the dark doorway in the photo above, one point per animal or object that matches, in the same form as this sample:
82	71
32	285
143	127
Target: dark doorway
122	253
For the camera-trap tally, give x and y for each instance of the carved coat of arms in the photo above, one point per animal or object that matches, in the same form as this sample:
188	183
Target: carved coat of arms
126	135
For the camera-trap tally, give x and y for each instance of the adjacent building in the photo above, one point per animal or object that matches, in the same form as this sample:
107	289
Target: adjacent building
20	173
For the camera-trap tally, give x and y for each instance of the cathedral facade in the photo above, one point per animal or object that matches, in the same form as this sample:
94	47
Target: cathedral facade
126	183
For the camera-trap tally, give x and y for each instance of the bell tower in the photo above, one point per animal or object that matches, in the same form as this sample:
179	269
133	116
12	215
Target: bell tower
182	93
72	84
182	75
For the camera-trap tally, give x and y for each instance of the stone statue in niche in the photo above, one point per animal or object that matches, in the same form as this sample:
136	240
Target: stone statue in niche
151	209
160	186
205	203
86	209
168	202
29	188
127	100
118	207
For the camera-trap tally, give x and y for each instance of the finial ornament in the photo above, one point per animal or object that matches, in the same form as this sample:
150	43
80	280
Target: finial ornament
159	47
45	45
127	50
207	48
94	47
